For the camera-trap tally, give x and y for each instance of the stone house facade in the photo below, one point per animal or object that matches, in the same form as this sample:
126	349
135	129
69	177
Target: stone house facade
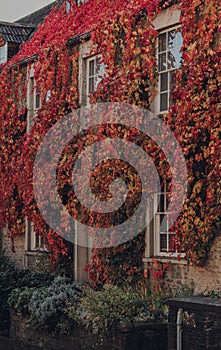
28	248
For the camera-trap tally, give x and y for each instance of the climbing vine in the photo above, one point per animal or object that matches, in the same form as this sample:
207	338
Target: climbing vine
123	32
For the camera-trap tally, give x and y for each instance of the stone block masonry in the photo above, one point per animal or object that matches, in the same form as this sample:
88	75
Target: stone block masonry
200	323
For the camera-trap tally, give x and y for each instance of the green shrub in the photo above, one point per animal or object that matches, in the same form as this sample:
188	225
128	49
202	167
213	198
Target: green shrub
100	310
47	304
12	278
19	299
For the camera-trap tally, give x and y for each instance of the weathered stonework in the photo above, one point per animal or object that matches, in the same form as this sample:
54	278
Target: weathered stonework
6	247
204	278
207	277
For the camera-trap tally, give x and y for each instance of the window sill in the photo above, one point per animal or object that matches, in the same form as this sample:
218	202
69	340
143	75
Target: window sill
36	252
167	259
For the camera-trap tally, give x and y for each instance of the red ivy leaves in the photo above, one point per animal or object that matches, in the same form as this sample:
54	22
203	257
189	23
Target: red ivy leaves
123	33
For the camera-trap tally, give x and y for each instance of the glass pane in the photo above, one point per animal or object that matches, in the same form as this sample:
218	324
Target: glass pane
162	42
172	59
98	65
167	200
163	102
37	241
37	98
162	203
162	62
164	82
163	243
91	68
163	223
91	85
179	39
178	56
172	76
159	203
172	84
171	39
37	102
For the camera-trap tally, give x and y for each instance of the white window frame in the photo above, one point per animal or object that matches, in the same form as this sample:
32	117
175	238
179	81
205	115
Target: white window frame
34	243
158	251
32	104
164	21
37	99
4	53
168	71
68	7
94	76
81	2
167	20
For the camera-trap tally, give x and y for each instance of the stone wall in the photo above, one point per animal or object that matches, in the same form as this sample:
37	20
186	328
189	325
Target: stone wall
206	277
125	337
6	247
200	323
203	278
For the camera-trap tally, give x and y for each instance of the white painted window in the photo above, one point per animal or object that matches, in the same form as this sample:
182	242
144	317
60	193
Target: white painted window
169	59
163	236
33	241
33	100
161	232
36	96
79	2
68	7
3	53
48	96
94	74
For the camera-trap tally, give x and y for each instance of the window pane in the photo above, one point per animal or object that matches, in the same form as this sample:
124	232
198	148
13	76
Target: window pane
98	65
2	54
172	83
172	73
167	201
99	72
171	39
162	42
91	68
173	56
160	206
37	102
95	73
37	98
163	223
164	82
178	58
162	203
163	102
163	243
162	62
91	85
179	39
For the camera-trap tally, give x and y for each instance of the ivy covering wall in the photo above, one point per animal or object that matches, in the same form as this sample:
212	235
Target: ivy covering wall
123	32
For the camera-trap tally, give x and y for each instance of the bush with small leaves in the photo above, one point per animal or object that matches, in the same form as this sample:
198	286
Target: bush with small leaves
99	310
47	304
